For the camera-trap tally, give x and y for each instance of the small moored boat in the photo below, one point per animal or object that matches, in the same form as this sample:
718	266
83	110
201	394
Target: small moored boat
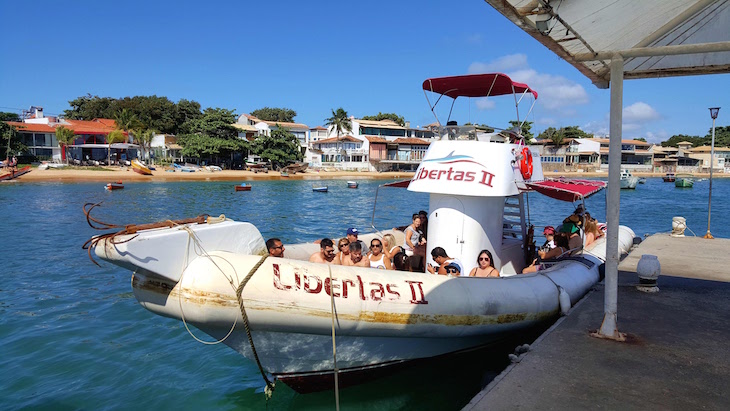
684	181
117	185
627	180
320	189
669	178
352	184
243	187
140	168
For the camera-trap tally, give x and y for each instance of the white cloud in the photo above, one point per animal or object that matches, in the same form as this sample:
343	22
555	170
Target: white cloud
485	103
554	92
640	112
501	65
656	137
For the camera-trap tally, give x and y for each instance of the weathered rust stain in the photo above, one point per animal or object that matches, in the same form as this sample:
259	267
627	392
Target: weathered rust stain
229	300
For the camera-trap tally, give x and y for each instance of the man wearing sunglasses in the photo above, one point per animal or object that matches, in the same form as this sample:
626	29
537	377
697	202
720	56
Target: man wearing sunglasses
326	253
275	247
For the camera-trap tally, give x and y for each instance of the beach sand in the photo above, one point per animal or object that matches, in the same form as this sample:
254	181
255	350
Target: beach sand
126	174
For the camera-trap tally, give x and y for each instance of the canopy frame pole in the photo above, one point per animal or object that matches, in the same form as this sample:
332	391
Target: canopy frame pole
609	328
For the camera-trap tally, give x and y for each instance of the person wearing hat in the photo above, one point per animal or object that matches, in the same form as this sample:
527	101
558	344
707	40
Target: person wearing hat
549	233
571	227
352	234
561	249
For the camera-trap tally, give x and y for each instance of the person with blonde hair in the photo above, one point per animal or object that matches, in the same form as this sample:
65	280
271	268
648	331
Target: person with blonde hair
390	248
592	232
344	249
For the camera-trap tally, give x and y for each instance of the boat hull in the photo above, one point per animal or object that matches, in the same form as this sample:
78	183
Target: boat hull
15	174
140	168
383	318
629	182
114	186
243	188
683	183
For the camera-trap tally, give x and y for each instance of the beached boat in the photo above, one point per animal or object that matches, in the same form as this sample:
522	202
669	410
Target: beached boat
684	181
243	187
320	189
213	168
627	180
184	169
298	167
117	185
282	312
11	174
669	178
352	184
140	168
284	174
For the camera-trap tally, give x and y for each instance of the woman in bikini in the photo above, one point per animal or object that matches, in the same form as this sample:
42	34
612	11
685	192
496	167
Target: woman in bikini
485	267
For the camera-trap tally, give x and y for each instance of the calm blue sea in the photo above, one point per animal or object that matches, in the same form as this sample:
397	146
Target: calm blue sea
72	336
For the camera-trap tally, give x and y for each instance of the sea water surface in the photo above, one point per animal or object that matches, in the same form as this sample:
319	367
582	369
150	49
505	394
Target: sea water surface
72	335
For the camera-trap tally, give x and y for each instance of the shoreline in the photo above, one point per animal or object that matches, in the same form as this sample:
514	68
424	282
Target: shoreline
127	175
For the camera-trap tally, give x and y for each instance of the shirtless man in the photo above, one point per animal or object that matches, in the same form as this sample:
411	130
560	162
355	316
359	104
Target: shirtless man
355	258
275	247
326	253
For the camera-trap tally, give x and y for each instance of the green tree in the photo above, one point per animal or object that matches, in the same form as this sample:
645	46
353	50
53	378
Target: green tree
339	122
284	115
116	136
89	107
678	138
279	148
184	110
144	138
64	136
6	116
640	139
387	116
211	135
526	126
126	120
722	136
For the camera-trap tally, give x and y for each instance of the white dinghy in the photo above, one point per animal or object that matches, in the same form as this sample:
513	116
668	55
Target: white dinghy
286	313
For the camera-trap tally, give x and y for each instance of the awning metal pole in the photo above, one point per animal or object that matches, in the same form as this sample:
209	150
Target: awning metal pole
609	328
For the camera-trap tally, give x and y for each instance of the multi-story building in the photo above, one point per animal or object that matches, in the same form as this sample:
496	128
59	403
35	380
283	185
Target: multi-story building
720	162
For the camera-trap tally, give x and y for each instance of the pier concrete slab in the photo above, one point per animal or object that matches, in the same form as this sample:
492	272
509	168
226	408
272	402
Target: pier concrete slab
675	357
690	257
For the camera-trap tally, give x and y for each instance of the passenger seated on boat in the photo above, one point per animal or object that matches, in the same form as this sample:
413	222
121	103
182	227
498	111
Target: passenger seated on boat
275	247
326	253
485	266
390	248
571	226
549	233
377	257
413	236
447	265
355	258
402	262
561	250
424	224
344	246
352	234
592	232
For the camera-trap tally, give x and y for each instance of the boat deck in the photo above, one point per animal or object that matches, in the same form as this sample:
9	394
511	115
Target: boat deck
675	356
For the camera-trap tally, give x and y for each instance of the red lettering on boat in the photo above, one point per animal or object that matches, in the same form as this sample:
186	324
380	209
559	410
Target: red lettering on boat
416	299
307	286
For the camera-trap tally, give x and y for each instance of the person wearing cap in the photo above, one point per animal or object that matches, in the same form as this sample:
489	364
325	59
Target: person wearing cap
549	233
275	247
561	249
571	226
352	234
447	265
326	253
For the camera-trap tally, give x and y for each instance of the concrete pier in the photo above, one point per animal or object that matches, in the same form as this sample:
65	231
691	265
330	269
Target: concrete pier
676	355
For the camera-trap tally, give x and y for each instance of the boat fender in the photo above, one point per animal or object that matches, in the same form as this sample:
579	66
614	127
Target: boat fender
564	301
215	220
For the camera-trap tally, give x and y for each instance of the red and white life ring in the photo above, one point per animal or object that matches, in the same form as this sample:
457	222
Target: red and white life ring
526	163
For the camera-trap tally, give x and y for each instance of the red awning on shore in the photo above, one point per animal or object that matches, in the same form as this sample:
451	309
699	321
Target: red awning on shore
566	189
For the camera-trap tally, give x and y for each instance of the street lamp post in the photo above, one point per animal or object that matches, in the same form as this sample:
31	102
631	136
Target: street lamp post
713	113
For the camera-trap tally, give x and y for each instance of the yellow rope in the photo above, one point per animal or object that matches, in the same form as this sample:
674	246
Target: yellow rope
334	345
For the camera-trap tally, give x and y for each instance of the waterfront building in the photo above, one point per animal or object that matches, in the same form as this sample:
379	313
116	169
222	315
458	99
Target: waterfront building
720	161
38	133
164	146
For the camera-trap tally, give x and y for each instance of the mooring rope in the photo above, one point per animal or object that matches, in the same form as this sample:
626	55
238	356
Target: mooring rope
334	345
247	326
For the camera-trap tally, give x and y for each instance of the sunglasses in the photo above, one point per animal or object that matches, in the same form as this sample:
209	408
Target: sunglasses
376	245
329	251
483	258
344	245
278	247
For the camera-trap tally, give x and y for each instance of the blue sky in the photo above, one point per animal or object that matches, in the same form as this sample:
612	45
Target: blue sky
317	56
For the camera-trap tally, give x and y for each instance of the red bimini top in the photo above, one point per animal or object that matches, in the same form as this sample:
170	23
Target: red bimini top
476	85
567	190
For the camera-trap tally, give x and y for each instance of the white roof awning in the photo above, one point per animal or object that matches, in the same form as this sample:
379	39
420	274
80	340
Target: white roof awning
653	36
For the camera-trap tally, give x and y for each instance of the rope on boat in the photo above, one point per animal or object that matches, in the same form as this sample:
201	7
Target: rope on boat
334	345
203	253
247	326
132	228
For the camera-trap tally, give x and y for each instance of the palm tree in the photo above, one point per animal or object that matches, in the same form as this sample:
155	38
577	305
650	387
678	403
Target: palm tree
145	138
115	136
64	137
340	122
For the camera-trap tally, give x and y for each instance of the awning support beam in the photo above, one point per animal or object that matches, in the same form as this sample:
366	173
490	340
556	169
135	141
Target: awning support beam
660	51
